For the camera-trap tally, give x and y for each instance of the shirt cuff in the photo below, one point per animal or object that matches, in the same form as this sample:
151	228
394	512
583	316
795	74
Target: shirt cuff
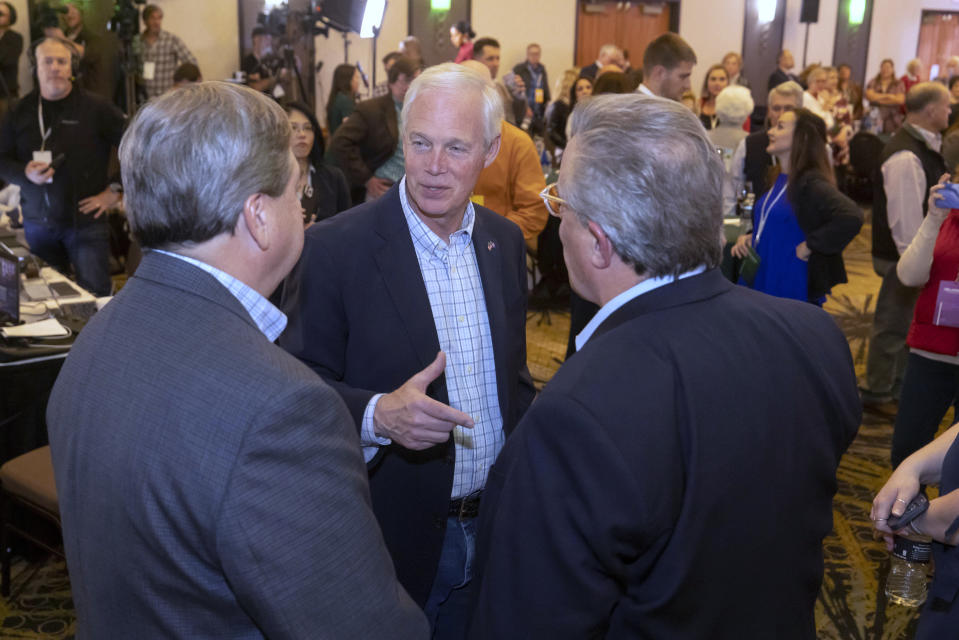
367	437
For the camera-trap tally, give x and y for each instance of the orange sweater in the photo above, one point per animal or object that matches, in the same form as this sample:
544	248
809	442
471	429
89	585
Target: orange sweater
512	184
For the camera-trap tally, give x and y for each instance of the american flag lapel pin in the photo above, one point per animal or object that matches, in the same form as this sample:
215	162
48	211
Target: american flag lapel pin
490	245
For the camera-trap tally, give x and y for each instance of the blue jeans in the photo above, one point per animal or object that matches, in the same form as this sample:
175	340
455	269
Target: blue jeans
448	605
86	247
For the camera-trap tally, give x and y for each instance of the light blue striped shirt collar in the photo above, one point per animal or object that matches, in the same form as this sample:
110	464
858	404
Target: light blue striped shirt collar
268	319
633	292
423	236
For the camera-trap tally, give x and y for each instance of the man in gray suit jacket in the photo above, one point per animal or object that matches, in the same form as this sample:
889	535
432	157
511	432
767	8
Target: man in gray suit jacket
210	484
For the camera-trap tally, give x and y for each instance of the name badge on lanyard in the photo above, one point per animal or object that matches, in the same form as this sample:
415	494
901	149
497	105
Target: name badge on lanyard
947	305
539	96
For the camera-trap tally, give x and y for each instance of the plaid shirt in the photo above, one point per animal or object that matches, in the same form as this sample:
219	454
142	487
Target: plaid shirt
167	53
455	291
268	319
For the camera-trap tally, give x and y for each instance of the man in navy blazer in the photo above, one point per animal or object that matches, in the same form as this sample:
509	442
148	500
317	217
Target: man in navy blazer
210	485
413	307
675	478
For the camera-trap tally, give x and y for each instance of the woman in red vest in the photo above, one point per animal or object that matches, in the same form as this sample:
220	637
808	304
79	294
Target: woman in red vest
931	381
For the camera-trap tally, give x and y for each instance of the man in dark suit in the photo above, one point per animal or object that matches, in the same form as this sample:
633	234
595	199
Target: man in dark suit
608	54
367	146
414	308
783	72
210	485
675	478
536	80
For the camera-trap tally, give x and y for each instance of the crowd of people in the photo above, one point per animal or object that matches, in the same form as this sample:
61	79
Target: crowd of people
336	433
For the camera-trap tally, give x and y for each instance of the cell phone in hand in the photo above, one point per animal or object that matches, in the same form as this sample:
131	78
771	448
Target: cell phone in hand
913	510
948	196
58	161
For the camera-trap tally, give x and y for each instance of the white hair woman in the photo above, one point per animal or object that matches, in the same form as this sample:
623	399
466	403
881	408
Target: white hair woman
734	105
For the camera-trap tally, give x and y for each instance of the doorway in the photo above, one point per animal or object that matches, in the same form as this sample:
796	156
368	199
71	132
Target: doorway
629	25
938	40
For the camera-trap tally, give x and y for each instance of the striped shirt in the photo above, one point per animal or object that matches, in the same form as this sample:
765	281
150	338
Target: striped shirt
267	318
455	292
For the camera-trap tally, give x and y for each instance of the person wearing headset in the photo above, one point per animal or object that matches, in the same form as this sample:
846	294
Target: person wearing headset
56	145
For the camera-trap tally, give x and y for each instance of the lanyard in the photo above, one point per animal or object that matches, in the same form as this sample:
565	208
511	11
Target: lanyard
537	78
44	133
764	211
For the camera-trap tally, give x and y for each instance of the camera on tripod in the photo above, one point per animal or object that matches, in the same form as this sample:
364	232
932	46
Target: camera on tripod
125	22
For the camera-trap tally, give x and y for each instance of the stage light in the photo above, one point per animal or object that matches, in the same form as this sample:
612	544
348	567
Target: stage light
766	10
857	11
440	5
372	17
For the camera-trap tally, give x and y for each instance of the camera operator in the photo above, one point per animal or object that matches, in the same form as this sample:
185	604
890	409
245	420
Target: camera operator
56	145
95	70
160	53
261	65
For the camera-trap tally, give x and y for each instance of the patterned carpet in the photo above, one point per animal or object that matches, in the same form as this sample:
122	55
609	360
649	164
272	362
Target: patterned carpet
851	605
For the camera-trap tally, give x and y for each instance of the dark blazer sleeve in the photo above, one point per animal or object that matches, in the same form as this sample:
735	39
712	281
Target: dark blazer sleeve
829	218
556	123
322	346
296	530
830	221
555	568
363	141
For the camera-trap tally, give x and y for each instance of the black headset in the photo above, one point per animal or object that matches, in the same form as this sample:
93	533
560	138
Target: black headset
69	44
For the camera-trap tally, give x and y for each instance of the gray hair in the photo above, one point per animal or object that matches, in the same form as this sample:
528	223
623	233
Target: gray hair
456	78
816	72
608	50
923	94
645	171
790	89
734	104
192	156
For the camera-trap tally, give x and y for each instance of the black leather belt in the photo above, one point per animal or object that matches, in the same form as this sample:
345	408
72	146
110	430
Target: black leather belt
465	508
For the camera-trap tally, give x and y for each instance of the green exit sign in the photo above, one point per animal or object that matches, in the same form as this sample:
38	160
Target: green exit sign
857	11
440	5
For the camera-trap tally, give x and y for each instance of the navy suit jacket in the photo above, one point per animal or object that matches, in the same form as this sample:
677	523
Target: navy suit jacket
360	317
675	478
210	484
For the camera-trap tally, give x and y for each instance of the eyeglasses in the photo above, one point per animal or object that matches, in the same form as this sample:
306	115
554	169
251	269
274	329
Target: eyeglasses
549	194
305	128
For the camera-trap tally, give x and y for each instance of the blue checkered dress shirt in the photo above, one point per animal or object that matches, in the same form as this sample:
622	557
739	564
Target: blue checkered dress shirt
268	319
455	291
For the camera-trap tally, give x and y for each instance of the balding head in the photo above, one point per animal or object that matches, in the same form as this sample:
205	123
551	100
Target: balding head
928	106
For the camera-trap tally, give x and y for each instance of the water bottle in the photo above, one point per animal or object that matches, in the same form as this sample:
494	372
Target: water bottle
909	570
746	206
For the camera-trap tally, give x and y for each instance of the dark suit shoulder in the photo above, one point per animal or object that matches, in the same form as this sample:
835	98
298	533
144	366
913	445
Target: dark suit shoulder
376	105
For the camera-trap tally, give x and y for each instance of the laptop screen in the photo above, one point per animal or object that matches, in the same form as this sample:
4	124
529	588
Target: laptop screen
9	288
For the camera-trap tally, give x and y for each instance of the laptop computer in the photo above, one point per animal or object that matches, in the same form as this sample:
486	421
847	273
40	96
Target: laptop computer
9	288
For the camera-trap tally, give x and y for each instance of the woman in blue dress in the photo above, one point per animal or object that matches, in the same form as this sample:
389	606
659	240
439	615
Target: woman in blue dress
802	223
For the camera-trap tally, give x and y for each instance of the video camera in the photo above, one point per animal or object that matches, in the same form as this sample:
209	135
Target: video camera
125	22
